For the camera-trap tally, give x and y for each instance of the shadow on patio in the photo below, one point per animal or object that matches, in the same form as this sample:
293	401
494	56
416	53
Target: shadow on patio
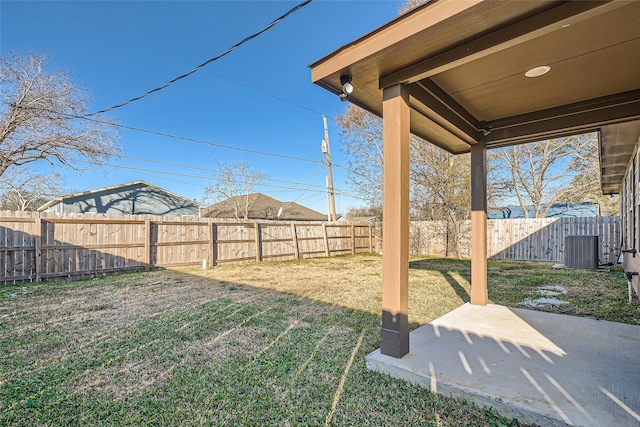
539	367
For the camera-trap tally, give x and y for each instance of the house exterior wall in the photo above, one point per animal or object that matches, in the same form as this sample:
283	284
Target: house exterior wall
630	214
135	199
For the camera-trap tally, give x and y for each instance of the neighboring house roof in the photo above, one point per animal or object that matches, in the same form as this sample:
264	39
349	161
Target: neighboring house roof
557	210
119	193
262	207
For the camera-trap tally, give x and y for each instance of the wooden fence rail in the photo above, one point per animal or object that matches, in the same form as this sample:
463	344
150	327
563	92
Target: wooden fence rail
534	239
51	246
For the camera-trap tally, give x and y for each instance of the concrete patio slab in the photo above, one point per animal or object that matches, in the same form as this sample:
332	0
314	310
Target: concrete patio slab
542	368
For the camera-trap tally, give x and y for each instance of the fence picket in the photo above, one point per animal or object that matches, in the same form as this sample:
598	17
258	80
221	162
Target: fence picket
534	239
51	246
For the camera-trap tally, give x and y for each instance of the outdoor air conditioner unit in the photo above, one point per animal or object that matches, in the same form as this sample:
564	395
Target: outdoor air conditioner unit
581	252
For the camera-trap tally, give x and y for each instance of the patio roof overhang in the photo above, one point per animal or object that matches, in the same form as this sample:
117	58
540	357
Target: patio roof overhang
463	63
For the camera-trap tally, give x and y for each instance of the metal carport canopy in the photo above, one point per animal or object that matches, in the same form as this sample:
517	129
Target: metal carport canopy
464	65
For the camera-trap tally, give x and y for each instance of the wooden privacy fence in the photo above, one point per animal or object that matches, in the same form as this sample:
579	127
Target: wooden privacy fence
533	239
51	246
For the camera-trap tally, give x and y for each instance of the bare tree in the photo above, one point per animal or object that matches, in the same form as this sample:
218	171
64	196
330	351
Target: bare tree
585	186
441	190
23	190
361	135
440	181
369	212
234	185
541	174
40	117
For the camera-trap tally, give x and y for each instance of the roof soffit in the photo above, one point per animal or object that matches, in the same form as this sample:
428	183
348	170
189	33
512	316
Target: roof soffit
617	145
487	84
585	64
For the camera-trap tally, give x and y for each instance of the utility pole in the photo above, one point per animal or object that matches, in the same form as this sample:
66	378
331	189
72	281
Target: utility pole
326	150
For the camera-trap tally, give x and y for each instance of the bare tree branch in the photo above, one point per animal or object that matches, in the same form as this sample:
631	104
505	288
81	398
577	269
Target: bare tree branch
23	190
39	117
234	184
440	181
361	135
543	173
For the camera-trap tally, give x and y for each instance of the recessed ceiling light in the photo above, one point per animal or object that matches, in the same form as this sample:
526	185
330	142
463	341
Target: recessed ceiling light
537	71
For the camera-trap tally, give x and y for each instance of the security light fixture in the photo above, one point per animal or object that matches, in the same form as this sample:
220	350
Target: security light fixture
538	71
347	87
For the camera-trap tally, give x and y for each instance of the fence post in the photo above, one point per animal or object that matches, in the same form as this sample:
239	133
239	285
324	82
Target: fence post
353	239
147	244
258	248
212	243
294	237
326	239
370	239
38	248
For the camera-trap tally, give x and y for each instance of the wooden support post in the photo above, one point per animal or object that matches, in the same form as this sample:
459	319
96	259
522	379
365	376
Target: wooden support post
257	240
38	248
353	239
212	243
294	238
394	334
479	290
370	239
327	252
147	245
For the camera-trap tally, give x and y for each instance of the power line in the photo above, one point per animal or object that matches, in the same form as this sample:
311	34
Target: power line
131	39
140	170
310	196
151	172
317	200
316	172
207	178
164	178
178	165
213	144
216	171
228	51
197	141
104	175
171	136
309	187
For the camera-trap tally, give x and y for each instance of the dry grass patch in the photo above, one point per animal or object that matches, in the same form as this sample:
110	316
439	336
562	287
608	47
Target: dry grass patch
352	282
255	344
601	294
278	343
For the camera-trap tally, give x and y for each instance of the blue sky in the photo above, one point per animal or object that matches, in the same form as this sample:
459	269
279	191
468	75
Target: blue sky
259	97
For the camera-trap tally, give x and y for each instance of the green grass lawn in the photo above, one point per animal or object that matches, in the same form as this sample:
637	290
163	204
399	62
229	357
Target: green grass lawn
279	343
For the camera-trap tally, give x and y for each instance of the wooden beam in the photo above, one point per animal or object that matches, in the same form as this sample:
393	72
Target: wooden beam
446	110
387	35
564	120
394	334
629	98
517	33
479	290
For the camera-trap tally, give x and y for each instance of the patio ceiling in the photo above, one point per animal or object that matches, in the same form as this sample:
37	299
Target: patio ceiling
464	63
